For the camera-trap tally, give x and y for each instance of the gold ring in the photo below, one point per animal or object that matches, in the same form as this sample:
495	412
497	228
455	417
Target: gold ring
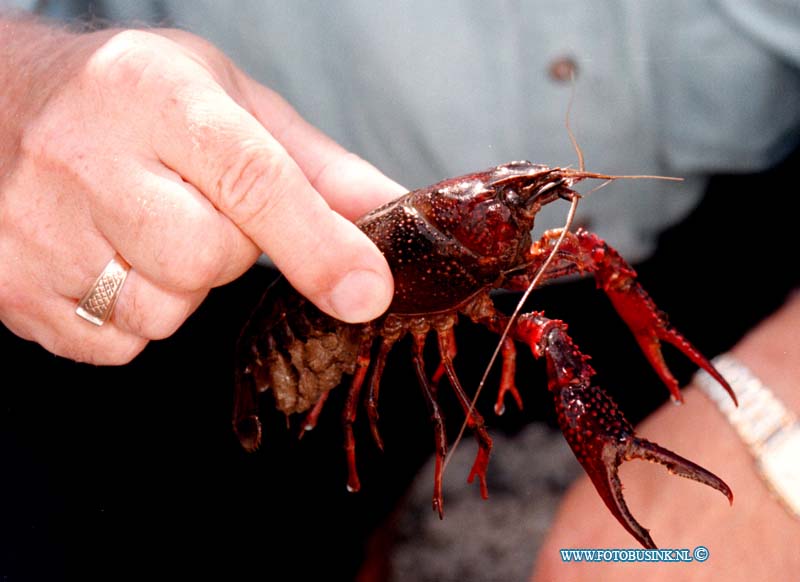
98	302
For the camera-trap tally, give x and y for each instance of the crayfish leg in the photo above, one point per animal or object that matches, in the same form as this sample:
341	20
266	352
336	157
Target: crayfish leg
475	420
441	370
507	373
351	408
600	436
436	416
481	310
310	421
374	389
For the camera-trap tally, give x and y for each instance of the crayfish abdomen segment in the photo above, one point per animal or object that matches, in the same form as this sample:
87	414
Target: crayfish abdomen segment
296	350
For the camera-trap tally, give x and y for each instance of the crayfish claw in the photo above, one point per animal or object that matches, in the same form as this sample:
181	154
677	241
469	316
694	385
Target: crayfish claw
674	337
474	420
677	465
602	439
649	324
507	372
604	476
372	414
597	432
479	468
586	252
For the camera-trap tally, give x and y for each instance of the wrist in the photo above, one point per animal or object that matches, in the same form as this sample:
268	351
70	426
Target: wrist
772	353
766	420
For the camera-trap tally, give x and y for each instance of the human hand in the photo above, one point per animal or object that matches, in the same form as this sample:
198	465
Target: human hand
755	539
153	145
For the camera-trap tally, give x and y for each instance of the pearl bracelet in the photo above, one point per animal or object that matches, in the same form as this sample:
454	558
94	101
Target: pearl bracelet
770	431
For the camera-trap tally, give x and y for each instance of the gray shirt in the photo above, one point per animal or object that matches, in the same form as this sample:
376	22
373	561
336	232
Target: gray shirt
428	90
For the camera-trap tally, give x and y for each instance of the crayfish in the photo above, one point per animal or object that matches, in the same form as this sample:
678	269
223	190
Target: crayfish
449	245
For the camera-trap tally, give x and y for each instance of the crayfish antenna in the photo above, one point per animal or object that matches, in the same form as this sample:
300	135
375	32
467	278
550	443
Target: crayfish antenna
568	116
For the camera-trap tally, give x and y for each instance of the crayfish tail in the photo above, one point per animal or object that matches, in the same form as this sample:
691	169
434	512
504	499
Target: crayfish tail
246	424
248	431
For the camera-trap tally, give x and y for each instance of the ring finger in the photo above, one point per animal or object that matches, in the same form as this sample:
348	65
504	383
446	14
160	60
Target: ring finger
142	307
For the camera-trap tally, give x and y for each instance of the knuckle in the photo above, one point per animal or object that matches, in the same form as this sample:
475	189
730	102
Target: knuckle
141	70
13	297
52	142
252	186
125	60
127	69
202	49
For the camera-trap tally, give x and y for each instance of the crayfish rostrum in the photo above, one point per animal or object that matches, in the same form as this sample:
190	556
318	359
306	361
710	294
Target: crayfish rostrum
448	246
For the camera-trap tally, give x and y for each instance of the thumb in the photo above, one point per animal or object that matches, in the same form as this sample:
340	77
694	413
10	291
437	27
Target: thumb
335	265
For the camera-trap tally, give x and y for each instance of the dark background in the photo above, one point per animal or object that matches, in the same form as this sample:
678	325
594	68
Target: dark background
108	471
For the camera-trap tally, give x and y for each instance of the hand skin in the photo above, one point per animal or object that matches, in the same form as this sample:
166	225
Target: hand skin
755	539
152	144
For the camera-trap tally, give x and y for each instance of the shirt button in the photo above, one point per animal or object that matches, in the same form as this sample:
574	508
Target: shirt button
562	69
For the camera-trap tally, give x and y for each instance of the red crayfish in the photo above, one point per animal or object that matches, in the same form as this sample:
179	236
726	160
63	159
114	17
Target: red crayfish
448	245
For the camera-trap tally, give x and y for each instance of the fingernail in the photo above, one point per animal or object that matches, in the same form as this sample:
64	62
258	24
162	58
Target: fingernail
360	296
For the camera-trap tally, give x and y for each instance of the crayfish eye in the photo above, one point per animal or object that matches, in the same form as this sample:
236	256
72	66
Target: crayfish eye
510	198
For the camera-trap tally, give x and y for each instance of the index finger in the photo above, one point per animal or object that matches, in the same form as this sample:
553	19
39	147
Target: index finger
221	149
350	184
